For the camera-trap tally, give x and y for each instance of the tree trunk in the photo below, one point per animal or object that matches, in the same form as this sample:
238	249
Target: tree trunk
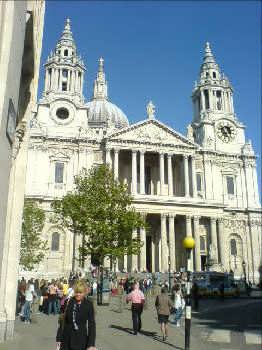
100	278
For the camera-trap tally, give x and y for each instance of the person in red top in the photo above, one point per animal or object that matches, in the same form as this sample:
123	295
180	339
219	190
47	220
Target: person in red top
138	299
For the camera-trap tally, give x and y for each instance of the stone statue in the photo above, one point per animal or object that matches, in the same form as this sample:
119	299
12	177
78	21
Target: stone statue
150	110
190	134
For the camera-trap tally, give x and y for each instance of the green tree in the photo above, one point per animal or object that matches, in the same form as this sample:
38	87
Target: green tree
100	211
33	247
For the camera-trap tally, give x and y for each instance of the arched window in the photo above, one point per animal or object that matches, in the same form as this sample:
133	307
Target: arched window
55	241
233	246
66	53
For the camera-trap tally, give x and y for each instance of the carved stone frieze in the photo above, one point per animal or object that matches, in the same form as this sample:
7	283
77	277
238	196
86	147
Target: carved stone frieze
235	224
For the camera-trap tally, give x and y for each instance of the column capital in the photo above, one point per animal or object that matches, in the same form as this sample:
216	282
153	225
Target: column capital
164	215
171	215
116	150
142	151
196	217
185	156
220	220
170	155
213	219
134	151
188	217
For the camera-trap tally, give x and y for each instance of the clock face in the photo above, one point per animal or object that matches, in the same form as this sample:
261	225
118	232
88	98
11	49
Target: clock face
226	131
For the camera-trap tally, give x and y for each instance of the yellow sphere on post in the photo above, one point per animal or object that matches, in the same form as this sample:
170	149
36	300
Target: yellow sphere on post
188	243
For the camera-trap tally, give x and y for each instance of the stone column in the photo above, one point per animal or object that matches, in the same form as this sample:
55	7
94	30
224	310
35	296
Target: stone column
221	242
52	78
194	185
73	81
134	257
125	262
170	175
142	172
213	227
164	247
197	243
143	249
134	172
186	175
202	100
116	156
162	172
108	157
188	226
172	245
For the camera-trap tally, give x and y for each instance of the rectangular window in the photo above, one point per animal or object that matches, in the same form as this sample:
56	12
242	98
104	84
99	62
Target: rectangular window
206	99
64	86
65	73
59	173
230	185
199	182
219	100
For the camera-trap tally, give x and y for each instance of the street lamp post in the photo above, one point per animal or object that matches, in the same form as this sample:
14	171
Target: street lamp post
169	275
188	244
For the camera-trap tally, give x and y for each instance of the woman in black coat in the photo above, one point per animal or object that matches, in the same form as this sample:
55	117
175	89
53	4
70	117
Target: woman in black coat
72	333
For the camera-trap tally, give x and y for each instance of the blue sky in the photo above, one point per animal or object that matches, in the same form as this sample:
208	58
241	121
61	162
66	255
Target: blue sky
154	49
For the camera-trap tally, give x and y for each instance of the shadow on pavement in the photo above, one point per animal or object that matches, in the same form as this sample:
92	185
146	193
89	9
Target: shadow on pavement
152	335
231	316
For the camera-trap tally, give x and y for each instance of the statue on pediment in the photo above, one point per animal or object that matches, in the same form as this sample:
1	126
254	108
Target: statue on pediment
150	110
190	133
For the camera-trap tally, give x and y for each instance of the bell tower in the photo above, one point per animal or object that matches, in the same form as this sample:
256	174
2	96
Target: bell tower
215	124
64	70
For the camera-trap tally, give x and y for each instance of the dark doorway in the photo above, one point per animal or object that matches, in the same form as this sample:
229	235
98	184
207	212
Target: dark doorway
149	253
203	262
148	180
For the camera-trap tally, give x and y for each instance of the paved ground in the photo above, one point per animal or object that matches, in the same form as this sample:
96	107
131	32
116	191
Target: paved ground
234	324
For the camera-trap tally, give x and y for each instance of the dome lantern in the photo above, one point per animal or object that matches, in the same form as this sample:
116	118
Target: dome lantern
101	112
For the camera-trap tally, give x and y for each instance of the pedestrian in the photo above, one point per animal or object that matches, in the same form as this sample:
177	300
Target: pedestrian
179	304
163	306
72	333
138	299
52	295
195	296
28	303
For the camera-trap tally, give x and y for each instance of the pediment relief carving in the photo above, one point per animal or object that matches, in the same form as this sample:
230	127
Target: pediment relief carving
152	133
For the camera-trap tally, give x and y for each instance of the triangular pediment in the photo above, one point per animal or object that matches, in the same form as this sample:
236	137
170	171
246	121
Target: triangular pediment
151	131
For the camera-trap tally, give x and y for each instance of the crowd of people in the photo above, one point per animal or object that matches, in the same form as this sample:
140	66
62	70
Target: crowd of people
70	299
62	296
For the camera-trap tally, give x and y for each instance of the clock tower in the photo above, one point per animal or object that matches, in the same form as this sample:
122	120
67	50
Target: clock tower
215	124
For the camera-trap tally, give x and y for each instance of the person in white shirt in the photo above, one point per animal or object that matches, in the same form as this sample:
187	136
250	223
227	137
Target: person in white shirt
28	303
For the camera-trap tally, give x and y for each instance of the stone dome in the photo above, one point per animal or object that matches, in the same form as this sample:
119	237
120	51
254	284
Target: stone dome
103	111
100	110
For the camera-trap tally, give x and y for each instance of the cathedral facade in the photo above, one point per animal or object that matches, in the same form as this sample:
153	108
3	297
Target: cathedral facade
203	184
